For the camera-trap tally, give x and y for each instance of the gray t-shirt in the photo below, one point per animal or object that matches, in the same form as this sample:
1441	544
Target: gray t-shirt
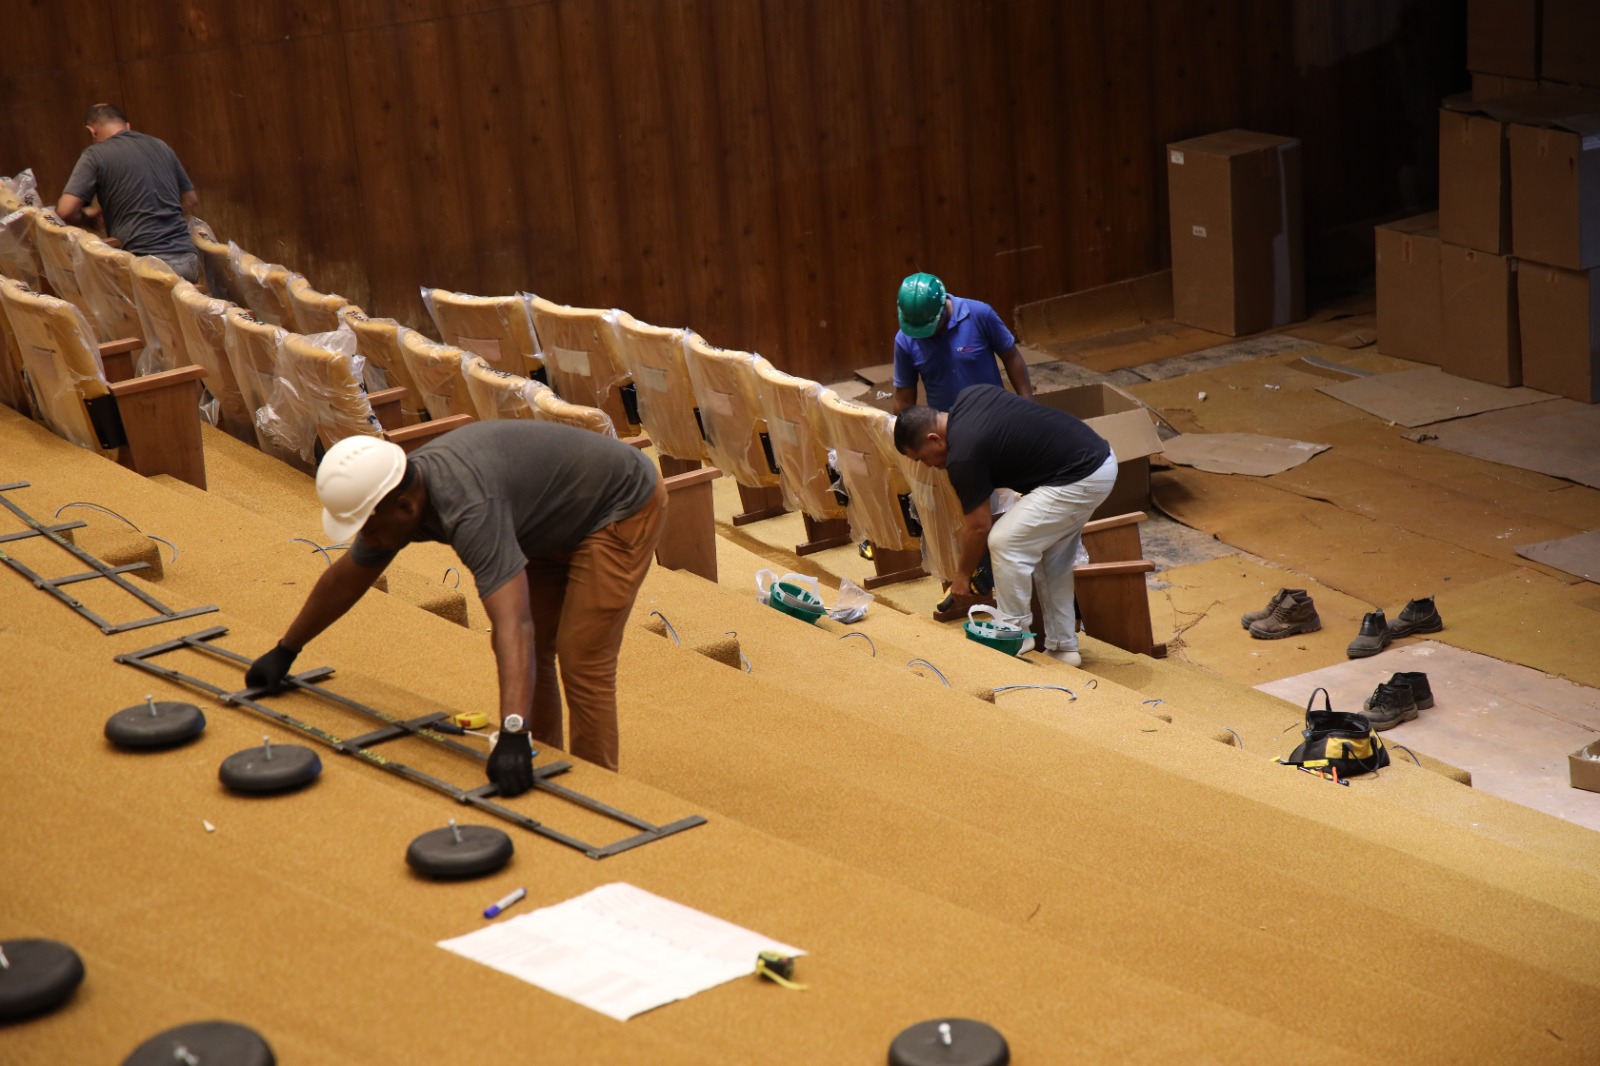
139	182
504	492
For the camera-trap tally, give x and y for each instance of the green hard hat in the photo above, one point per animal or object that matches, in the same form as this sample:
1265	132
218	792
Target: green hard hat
921	303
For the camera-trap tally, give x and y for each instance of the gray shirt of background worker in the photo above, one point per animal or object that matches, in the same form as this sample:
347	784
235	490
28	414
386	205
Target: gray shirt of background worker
145	196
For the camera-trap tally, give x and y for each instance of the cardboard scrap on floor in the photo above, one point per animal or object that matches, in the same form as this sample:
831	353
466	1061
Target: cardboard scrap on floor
1578	555
1426	395
1239	453
1560	438
1512	726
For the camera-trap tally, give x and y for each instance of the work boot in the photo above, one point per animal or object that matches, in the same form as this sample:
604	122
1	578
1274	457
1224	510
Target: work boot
1373	638
1295	613
1389	705
1421	691
1418	616
1249	618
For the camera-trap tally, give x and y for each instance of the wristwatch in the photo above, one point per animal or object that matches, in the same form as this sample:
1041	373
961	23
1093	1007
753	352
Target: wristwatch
512	723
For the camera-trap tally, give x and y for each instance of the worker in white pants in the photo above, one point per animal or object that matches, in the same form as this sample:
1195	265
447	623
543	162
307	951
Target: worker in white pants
993	439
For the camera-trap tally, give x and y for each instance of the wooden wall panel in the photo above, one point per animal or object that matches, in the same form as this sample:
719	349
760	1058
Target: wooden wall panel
764	171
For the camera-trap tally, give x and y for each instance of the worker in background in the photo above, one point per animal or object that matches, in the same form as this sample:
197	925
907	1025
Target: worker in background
558	527
145	197
948	342
993	439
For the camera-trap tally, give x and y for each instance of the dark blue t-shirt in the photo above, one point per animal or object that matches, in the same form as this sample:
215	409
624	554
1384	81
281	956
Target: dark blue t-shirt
966	352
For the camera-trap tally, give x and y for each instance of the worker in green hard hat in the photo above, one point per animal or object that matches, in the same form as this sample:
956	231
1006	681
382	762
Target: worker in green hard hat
949	342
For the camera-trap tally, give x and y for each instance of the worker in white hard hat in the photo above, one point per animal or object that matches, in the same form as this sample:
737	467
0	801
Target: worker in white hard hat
558	527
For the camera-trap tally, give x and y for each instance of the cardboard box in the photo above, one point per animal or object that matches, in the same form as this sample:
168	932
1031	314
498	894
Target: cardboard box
1503	37
1126	425
1571	48
1584	764
1497	86
1474	177
1555	190
1236	238
1410	307
1481	337
1560	315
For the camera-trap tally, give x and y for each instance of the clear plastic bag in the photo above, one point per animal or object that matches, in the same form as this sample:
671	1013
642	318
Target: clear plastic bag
852	604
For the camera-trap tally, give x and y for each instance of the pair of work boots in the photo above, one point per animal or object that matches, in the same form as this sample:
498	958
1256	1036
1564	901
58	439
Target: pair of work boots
1418	616
1398	700
1289	612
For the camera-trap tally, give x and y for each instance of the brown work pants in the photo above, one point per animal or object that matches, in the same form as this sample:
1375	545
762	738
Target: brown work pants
580	606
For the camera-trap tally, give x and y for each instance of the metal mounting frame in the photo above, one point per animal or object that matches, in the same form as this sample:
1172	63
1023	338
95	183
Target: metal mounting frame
112	574
481	798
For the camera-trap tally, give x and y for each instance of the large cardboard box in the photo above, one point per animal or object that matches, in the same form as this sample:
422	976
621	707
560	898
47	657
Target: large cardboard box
1571	51
1555	190
1481	338
1236	240
1410	307
1503	37
1474	177
1560	314
1498	86
1125	423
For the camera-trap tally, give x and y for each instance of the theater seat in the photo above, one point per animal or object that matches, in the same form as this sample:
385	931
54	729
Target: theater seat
201	320
583	357
1113	598
874	478
263	287
548	407
58	255
938	513
252	347
436	369
793	412
105	275
153	284
215	260
728	395
13	385
495	327
495	393
19	246
150	424
378	340
314	312
654	355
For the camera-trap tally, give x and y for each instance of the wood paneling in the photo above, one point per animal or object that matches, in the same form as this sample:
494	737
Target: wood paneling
764	171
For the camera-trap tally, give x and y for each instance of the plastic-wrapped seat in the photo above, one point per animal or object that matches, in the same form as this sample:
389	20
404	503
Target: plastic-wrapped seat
314	312
793	413
58	255
436	369
496	327
263	287
548	407
497	394
874	478
215	260
105	274
728	393
378	341
153	282
583	358
13	385
252	347
19	246
150	424
654	355
202	323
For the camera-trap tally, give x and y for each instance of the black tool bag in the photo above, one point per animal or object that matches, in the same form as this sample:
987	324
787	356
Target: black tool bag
1338	740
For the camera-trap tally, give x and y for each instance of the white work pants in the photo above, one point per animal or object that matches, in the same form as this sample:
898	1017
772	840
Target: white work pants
1037	541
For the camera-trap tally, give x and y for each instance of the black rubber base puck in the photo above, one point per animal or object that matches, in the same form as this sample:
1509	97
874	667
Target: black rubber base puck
481	850
172	724
971	1044
204	1043
41	976
270	768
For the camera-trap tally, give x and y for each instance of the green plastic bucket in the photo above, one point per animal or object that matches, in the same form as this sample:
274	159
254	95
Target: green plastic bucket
1001	636
796	601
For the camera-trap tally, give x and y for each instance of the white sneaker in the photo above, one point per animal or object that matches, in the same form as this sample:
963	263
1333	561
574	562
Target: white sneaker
1071	658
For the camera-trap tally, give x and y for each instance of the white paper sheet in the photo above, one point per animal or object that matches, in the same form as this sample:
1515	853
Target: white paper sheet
618	950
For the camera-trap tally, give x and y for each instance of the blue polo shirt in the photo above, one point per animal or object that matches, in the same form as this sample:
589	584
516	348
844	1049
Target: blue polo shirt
966	352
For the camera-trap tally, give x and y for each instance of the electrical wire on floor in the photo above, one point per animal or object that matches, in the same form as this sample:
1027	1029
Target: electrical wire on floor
1408	751
864	637
326	558
735	635
1237	737
113	514
670	630
1054	688
447	572
930	666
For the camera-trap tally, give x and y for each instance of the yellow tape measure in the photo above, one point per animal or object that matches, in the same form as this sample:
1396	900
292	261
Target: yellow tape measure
471	720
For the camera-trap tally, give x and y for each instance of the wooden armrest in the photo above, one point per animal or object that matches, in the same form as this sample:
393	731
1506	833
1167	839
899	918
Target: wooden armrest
1114	521
117	347
1137	566
390	395
641	442
692	477
164	380
410	437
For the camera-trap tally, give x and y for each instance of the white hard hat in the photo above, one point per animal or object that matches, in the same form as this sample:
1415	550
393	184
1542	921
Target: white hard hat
353	478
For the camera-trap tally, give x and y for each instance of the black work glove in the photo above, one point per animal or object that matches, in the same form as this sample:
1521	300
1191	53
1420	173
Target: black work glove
511	764
269	671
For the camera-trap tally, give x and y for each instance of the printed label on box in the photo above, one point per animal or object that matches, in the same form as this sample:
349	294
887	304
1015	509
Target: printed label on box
1177	157
1198	231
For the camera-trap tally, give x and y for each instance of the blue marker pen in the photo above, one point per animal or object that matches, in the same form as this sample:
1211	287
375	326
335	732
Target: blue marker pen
494	909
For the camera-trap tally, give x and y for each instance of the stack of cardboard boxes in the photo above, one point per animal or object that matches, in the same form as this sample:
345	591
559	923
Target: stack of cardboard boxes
1503	284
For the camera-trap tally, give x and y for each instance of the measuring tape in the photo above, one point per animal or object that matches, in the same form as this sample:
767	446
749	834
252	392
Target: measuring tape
776	966
471	720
